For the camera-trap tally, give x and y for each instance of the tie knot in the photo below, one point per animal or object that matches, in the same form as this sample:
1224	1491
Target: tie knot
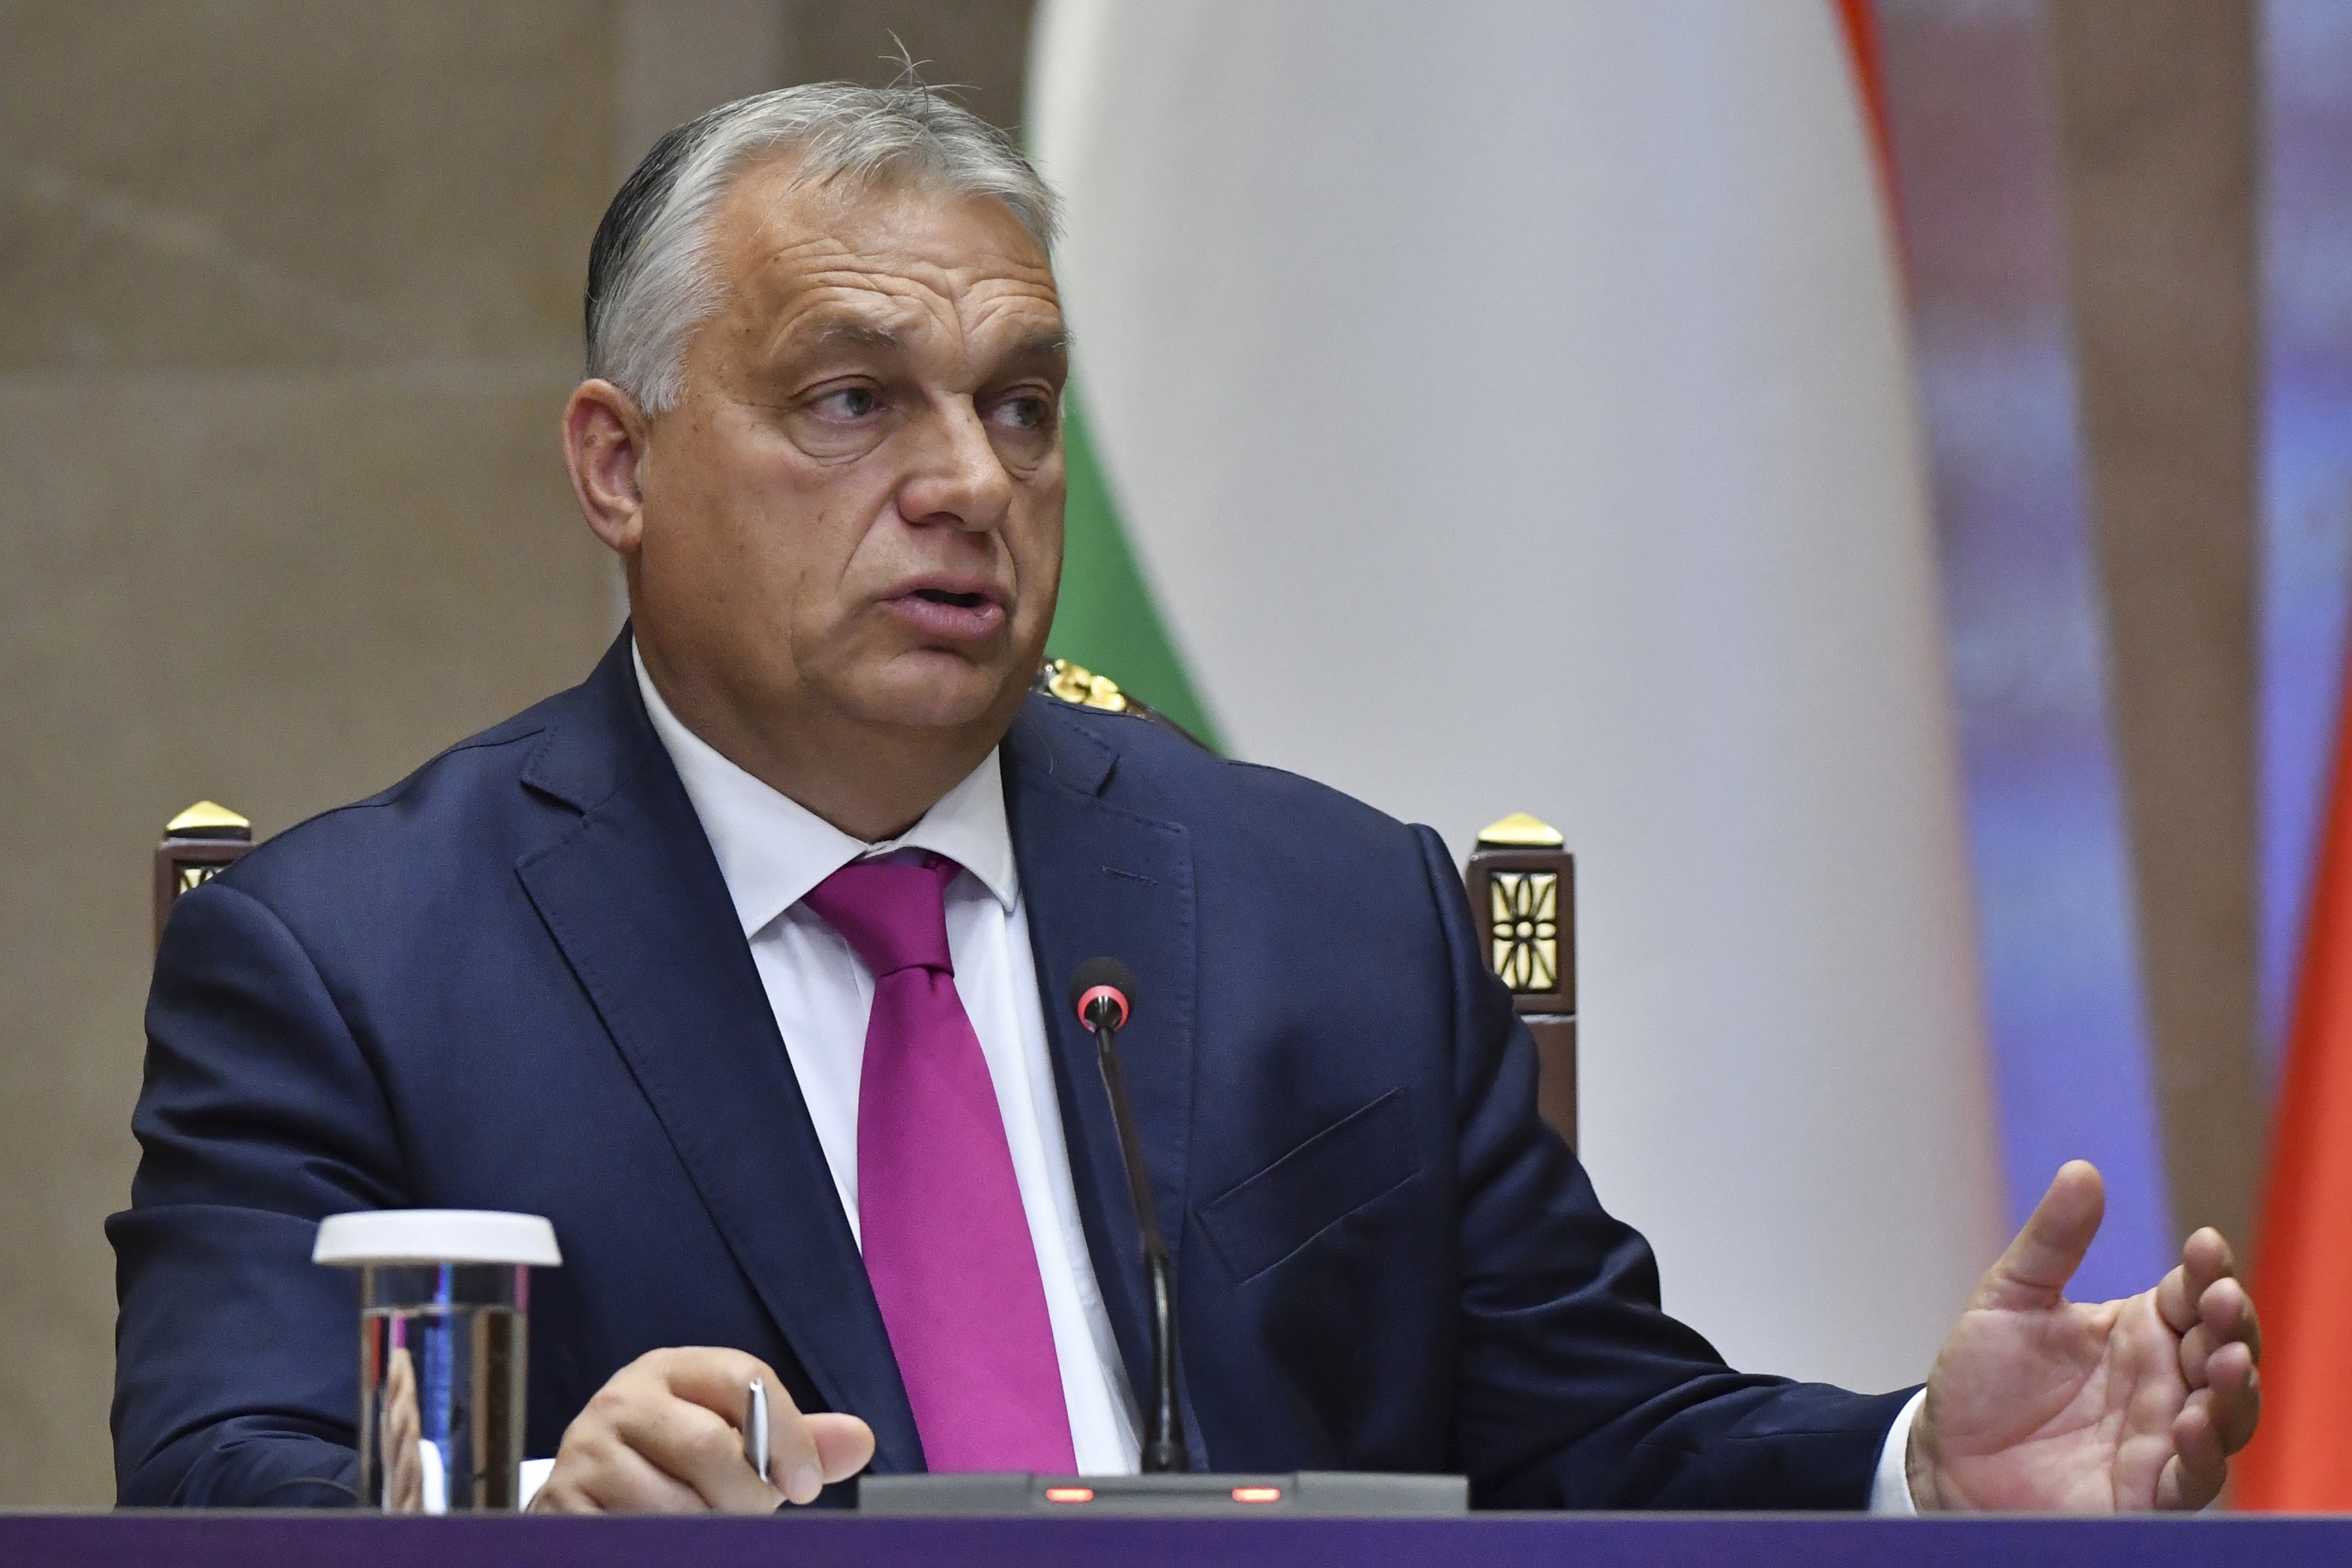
893	914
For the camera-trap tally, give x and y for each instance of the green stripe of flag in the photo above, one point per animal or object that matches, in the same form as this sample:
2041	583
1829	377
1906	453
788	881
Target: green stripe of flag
1106	619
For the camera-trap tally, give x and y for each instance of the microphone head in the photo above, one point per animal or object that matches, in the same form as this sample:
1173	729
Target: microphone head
1100	980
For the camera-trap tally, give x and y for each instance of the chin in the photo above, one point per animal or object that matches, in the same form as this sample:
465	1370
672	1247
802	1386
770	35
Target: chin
939	691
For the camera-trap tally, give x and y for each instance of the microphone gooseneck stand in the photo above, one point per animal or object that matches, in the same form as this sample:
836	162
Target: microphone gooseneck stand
1102	994
1103	991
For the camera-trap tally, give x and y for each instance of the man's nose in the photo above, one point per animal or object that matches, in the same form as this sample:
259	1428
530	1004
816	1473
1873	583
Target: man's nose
958	478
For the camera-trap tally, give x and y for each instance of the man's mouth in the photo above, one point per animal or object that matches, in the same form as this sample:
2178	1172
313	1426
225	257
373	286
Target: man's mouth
949	614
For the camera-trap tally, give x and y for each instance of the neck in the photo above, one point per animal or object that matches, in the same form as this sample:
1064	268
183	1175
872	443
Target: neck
872	781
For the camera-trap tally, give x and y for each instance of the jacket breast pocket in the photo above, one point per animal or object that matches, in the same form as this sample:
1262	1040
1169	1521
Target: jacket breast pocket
1356	1160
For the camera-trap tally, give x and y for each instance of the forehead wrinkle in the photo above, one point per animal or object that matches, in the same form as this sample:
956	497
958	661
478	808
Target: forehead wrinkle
883	280
861	313
1033	320
913	280
774	211
863	224
886	241
891	311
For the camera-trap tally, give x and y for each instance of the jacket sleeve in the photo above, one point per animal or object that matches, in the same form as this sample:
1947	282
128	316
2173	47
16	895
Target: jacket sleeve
236	1357
1577	1389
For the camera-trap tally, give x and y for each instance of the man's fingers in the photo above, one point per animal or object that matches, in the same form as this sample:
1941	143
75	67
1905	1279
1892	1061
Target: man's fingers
2208	1256
2236	1392
845	1445
718	1380
2193	1476
805	1453
2205	1261
796	1463
595	1472
2174	1304
679	1416
700	1447
721	1381
2225	1317
2227	1312
2034	1271
795	1460
628	1482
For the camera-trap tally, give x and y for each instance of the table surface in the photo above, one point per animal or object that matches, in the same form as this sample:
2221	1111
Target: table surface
1487	1541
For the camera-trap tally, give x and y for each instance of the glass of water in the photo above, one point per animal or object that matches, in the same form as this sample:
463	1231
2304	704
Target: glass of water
445	1304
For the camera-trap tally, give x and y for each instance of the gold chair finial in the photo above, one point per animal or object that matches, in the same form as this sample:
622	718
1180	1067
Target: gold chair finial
1520	831
206	819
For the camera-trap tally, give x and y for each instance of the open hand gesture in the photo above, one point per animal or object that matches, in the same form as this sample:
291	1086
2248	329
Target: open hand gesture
2038	1403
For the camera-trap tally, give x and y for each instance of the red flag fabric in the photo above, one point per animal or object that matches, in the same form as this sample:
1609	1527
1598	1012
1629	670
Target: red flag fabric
2300	1460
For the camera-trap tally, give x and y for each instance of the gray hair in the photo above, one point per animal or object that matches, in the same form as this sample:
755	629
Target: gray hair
650	282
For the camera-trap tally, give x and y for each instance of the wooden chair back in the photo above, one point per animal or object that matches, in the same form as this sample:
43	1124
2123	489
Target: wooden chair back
1522	888
198	844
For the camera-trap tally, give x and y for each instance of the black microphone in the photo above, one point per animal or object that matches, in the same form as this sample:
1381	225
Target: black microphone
1102	993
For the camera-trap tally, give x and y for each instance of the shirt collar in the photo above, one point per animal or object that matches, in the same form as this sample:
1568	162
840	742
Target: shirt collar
772	849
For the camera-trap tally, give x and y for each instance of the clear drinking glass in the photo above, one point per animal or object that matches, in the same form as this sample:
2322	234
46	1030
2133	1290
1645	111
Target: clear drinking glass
444	1333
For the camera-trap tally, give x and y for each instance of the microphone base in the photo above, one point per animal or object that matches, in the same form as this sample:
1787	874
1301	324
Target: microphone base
1327	1494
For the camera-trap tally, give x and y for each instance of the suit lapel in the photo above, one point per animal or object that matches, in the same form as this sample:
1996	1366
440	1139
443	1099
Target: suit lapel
635	898
1097	879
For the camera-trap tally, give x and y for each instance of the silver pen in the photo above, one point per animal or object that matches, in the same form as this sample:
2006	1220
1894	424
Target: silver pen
755	1427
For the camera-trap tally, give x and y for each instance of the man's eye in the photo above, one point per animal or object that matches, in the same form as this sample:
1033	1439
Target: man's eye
849	403
1025	412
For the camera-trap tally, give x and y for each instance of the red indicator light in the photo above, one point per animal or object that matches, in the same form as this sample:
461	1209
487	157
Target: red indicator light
1257	1494
1069	1494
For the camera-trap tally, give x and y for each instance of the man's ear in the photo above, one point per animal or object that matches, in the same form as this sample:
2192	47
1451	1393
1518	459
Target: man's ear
603	445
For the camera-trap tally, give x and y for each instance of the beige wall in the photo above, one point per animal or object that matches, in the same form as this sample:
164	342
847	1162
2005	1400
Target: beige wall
289	307
291	301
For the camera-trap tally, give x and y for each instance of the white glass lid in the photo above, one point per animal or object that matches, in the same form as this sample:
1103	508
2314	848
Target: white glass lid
436	1236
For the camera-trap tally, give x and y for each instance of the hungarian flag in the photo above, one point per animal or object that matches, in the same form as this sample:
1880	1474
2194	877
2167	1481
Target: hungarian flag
2303	1281
1504	407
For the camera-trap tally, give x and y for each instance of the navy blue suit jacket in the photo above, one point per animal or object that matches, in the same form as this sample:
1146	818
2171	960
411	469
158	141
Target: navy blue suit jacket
516	981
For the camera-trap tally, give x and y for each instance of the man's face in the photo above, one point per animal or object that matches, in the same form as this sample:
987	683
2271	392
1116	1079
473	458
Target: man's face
853	512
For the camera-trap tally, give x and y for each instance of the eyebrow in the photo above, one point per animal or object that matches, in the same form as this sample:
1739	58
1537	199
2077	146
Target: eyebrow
840	332
858	334
1054	346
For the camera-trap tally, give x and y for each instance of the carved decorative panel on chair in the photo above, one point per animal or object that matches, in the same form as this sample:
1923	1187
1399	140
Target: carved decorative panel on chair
1522	888
198	844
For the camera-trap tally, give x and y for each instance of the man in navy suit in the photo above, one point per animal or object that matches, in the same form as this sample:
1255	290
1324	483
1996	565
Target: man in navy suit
739	962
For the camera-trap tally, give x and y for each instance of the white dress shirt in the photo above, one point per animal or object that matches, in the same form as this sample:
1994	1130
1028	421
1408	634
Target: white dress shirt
772	851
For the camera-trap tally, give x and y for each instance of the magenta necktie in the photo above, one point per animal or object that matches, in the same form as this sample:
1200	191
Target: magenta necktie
946	1241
